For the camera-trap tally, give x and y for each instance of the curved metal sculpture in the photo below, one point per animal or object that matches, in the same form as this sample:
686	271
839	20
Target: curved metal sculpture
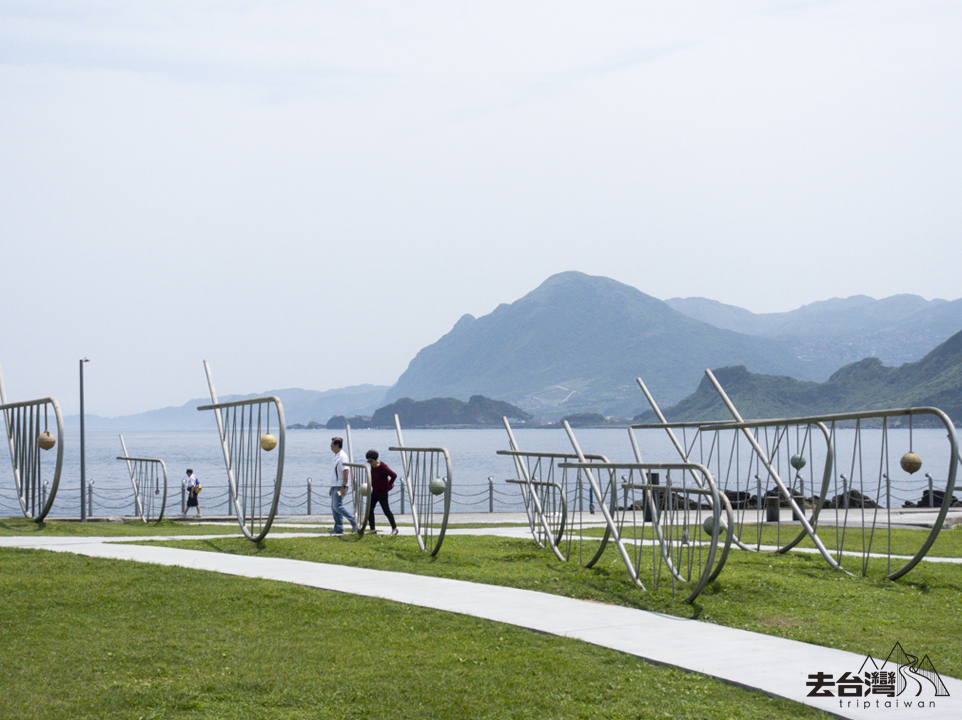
665	523
427	479
859	480
555	502
360	485
148	476
724	457
247	441
29	438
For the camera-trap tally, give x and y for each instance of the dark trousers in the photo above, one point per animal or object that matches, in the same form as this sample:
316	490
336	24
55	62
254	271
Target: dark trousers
380	498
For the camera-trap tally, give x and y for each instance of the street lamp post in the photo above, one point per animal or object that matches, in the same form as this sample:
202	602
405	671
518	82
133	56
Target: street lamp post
83	464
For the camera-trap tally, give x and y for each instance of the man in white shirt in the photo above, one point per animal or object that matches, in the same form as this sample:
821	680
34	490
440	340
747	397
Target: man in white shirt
339	477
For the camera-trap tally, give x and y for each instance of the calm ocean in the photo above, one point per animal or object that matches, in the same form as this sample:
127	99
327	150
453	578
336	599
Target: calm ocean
473	455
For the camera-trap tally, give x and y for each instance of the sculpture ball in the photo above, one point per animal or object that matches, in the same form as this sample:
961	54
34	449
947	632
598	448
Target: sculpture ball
910	462
268	442
46	440
437	486
709	525
365	489
798	461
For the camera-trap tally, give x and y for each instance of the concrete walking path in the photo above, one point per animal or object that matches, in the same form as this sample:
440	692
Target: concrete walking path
768	664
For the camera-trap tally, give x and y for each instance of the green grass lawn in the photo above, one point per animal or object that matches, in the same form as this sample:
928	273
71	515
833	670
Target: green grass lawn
93	638
795	595
457	664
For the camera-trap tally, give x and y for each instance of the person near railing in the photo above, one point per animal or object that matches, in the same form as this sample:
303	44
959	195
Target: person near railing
193	491
340	475
382	482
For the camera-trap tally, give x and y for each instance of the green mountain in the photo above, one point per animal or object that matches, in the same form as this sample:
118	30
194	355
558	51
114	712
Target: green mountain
832	333
575	344
446	411
935	380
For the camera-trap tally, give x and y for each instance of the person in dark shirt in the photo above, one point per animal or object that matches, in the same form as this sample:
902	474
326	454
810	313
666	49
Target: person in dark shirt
382	482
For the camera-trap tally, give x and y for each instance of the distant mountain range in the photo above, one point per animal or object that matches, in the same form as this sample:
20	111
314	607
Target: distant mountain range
831	333
935	380
576	343
300	406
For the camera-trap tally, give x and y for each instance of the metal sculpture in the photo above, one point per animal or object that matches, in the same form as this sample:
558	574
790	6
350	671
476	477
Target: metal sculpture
246	440
555	500
709	447
148	476
360	484
427	480
28	438
665	523
853	500
657	531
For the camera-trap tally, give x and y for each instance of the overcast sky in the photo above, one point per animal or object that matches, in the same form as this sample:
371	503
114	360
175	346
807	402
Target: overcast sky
308	193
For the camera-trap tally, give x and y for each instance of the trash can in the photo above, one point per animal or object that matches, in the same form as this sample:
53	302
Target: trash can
771	508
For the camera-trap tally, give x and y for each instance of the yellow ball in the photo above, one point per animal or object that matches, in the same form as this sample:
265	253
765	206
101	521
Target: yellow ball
910	462
46	440
268	442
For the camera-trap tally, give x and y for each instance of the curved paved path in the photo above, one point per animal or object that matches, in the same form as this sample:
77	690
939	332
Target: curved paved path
769	664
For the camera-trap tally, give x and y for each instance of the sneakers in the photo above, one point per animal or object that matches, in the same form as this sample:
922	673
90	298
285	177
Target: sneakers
591	509
393	531
354	528
335	532
372	531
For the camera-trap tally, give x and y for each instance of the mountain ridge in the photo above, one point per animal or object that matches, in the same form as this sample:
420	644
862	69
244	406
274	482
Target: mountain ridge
584	334
933	381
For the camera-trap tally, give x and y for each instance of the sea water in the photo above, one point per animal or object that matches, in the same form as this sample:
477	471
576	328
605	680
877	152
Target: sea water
479	473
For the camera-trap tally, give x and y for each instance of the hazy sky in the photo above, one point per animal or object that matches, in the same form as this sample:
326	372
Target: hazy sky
307	193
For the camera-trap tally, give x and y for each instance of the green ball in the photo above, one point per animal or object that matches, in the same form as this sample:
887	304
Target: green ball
709	526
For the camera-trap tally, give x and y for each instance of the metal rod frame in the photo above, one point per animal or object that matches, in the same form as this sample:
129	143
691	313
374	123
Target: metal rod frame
23	428
360	474
824	422
535	501
670	510
421	465
684	453
243	458
149	479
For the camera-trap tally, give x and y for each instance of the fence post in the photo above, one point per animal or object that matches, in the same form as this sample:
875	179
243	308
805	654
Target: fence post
308	496
931	499
183	497
403	485
759	500
43	493
490	494
90	499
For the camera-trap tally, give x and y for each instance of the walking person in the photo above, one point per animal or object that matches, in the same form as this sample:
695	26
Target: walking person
193	491
339	477
382	482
